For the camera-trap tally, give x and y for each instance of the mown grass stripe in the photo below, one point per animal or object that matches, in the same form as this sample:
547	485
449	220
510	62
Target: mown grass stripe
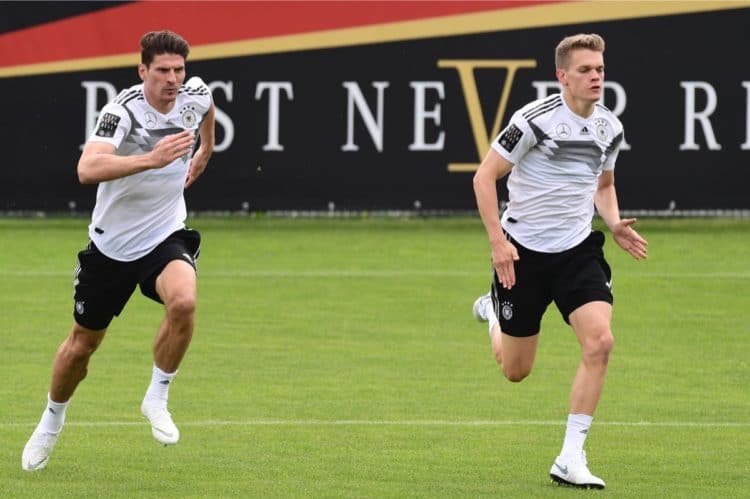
394	422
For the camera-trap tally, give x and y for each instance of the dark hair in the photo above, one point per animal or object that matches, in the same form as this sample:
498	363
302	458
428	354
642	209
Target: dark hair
156	43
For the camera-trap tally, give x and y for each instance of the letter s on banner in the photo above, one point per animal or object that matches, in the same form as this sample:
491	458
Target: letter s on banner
222	118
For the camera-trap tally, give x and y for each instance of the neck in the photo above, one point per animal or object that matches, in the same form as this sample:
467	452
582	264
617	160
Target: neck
162	106
582	108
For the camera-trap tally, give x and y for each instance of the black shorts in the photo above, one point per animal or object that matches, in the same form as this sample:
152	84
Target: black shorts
103	286
571	278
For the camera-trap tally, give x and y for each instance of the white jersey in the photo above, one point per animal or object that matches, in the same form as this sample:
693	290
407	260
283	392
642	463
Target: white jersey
558	157
134	214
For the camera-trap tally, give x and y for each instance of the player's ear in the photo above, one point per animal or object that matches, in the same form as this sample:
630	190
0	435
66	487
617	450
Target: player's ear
561	76
142	69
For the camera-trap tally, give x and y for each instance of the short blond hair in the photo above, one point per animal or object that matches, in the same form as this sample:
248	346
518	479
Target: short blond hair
590	41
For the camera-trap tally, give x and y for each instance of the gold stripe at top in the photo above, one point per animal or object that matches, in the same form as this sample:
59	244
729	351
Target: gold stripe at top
462	24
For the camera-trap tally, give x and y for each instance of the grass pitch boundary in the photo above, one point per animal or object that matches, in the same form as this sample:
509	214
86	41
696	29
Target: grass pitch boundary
387	274
416	422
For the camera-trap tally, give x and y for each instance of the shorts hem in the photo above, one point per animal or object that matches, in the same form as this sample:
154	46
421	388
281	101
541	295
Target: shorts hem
582	298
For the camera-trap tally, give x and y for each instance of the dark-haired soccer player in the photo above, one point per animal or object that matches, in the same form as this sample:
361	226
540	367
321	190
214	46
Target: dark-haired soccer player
560	155
142	154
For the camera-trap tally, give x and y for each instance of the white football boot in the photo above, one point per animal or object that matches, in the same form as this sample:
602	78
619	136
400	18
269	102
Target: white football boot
36	453
574	472
162	427
480	307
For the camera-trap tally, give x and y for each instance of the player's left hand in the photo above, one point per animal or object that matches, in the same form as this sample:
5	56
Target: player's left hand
197	165
629	240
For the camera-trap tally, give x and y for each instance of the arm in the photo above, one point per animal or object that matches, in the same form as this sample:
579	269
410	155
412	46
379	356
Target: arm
99	163
623	233
203	154
493	168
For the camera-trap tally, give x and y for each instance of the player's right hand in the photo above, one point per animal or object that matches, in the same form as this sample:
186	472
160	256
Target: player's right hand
504	256
172	147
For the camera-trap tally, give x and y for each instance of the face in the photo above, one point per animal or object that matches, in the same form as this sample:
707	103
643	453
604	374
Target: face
583	79
162	80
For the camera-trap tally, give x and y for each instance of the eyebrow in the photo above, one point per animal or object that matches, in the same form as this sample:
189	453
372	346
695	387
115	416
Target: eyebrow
168	67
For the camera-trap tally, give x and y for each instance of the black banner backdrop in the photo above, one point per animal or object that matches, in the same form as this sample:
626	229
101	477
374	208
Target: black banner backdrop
385	125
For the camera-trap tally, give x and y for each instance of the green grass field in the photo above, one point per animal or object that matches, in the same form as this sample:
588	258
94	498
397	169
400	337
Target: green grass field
339	358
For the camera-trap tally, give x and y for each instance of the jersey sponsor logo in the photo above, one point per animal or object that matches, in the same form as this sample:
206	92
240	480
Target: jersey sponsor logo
150	120
563	130
107	125
510	138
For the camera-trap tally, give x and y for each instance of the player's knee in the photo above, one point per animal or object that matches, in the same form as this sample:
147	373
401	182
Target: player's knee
515	373
599	346
515	377
181	306
78	348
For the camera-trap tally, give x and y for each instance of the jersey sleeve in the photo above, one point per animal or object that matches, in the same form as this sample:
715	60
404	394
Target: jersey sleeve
515	140
113	125
199	93
613	150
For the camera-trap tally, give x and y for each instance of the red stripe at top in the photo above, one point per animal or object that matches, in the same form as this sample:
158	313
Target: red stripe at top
117	30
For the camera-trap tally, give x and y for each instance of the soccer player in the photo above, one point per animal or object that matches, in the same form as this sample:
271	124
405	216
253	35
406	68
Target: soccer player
560	155
142	154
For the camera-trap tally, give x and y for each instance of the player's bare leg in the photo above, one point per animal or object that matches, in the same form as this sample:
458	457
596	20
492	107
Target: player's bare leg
591	323
176	286
515	356
69	369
